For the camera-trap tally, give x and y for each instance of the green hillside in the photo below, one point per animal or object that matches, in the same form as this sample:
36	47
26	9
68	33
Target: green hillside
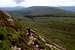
59	30
58	33
16	34
13	33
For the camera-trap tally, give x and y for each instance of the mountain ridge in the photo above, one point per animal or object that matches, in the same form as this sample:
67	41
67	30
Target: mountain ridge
36	10
69	8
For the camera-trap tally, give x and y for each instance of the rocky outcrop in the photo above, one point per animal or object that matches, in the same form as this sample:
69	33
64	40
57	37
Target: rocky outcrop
35	46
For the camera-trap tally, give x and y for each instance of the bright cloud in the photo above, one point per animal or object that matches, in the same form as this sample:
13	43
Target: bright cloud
35	3
48	3
28	3
7	3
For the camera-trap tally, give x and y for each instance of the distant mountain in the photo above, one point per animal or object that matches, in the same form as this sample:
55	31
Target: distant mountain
44	10
11	8
69	8
35	11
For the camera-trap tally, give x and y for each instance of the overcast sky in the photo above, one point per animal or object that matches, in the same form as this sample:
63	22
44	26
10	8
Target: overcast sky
28	3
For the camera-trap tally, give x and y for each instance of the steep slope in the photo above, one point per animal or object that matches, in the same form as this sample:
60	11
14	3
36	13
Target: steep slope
15	36
58	30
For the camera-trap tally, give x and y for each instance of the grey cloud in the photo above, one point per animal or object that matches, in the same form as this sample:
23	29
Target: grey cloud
19	1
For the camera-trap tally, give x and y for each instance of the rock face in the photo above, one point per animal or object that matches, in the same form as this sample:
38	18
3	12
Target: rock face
5	19
15	48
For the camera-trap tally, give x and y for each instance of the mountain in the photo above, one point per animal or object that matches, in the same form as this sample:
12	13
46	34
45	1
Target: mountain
16	36
11	8
44	33
40	11
69	8
36	11
44	10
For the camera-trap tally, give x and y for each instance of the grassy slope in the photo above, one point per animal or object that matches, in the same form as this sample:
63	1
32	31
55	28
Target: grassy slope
12	32
15	31
60	30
